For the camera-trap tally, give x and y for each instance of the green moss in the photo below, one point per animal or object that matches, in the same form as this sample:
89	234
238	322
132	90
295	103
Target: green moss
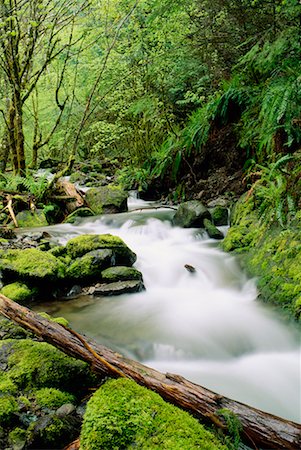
81	245
32	263
7	386
120	273
52	398
38	364
219	216
8	407
59	320
18	292
122	414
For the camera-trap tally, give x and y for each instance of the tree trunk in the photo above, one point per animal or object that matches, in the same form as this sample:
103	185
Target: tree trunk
4	152
260	429
19	133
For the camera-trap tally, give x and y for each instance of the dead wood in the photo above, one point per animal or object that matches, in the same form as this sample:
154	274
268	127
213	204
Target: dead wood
260	429
71	196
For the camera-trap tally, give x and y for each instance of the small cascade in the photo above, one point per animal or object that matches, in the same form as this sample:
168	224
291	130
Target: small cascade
206	325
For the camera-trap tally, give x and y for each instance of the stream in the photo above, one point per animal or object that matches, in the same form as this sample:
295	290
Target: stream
207	326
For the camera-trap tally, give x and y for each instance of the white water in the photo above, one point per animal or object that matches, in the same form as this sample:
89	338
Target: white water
207	326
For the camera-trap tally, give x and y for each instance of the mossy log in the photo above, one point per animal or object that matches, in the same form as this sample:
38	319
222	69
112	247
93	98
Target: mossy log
260	429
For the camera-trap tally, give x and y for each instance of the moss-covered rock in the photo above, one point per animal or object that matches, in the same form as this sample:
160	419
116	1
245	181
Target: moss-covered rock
31	219
81	245
122	414
212	231
107	199
191	214
19	292
220	216
34	365
31	263
120	273
52	398
269	252
90	266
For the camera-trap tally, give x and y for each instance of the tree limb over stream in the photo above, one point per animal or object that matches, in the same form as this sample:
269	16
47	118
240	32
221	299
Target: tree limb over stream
260	429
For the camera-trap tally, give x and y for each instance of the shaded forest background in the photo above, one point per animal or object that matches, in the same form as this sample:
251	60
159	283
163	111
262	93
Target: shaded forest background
180	99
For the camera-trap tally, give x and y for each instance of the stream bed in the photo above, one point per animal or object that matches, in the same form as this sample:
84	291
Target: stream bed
207	326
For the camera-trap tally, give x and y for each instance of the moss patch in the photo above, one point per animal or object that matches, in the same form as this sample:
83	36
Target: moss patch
120	273
122	414
31	263
18	292
38	364
52	398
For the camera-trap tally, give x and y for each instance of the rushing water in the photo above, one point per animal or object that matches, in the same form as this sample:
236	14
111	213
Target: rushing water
207	326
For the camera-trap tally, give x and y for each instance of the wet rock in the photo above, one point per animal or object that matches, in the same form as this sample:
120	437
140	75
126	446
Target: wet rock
107	199
191	214
117	288
65	410
120	273
81	212
212	231
7	233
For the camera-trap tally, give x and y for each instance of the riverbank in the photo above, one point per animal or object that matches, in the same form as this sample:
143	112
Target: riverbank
269	252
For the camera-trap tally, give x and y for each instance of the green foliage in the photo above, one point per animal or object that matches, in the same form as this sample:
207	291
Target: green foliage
36	186
8	407
276	192
122	414
234	428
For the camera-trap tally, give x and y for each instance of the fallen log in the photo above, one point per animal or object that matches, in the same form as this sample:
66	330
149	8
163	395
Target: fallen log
69	192
259	429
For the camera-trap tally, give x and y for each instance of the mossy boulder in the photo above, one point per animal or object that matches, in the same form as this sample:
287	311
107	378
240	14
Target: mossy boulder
107	199
19	292
17	438
31	219
191	214
220	216
90	265
32	365
122	414
31	264
53	432
81	245
212	231
120	273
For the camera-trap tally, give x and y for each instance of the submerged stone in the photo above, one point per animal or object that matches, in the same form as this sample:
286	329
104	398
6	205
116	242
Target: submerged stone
191	214
107	199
